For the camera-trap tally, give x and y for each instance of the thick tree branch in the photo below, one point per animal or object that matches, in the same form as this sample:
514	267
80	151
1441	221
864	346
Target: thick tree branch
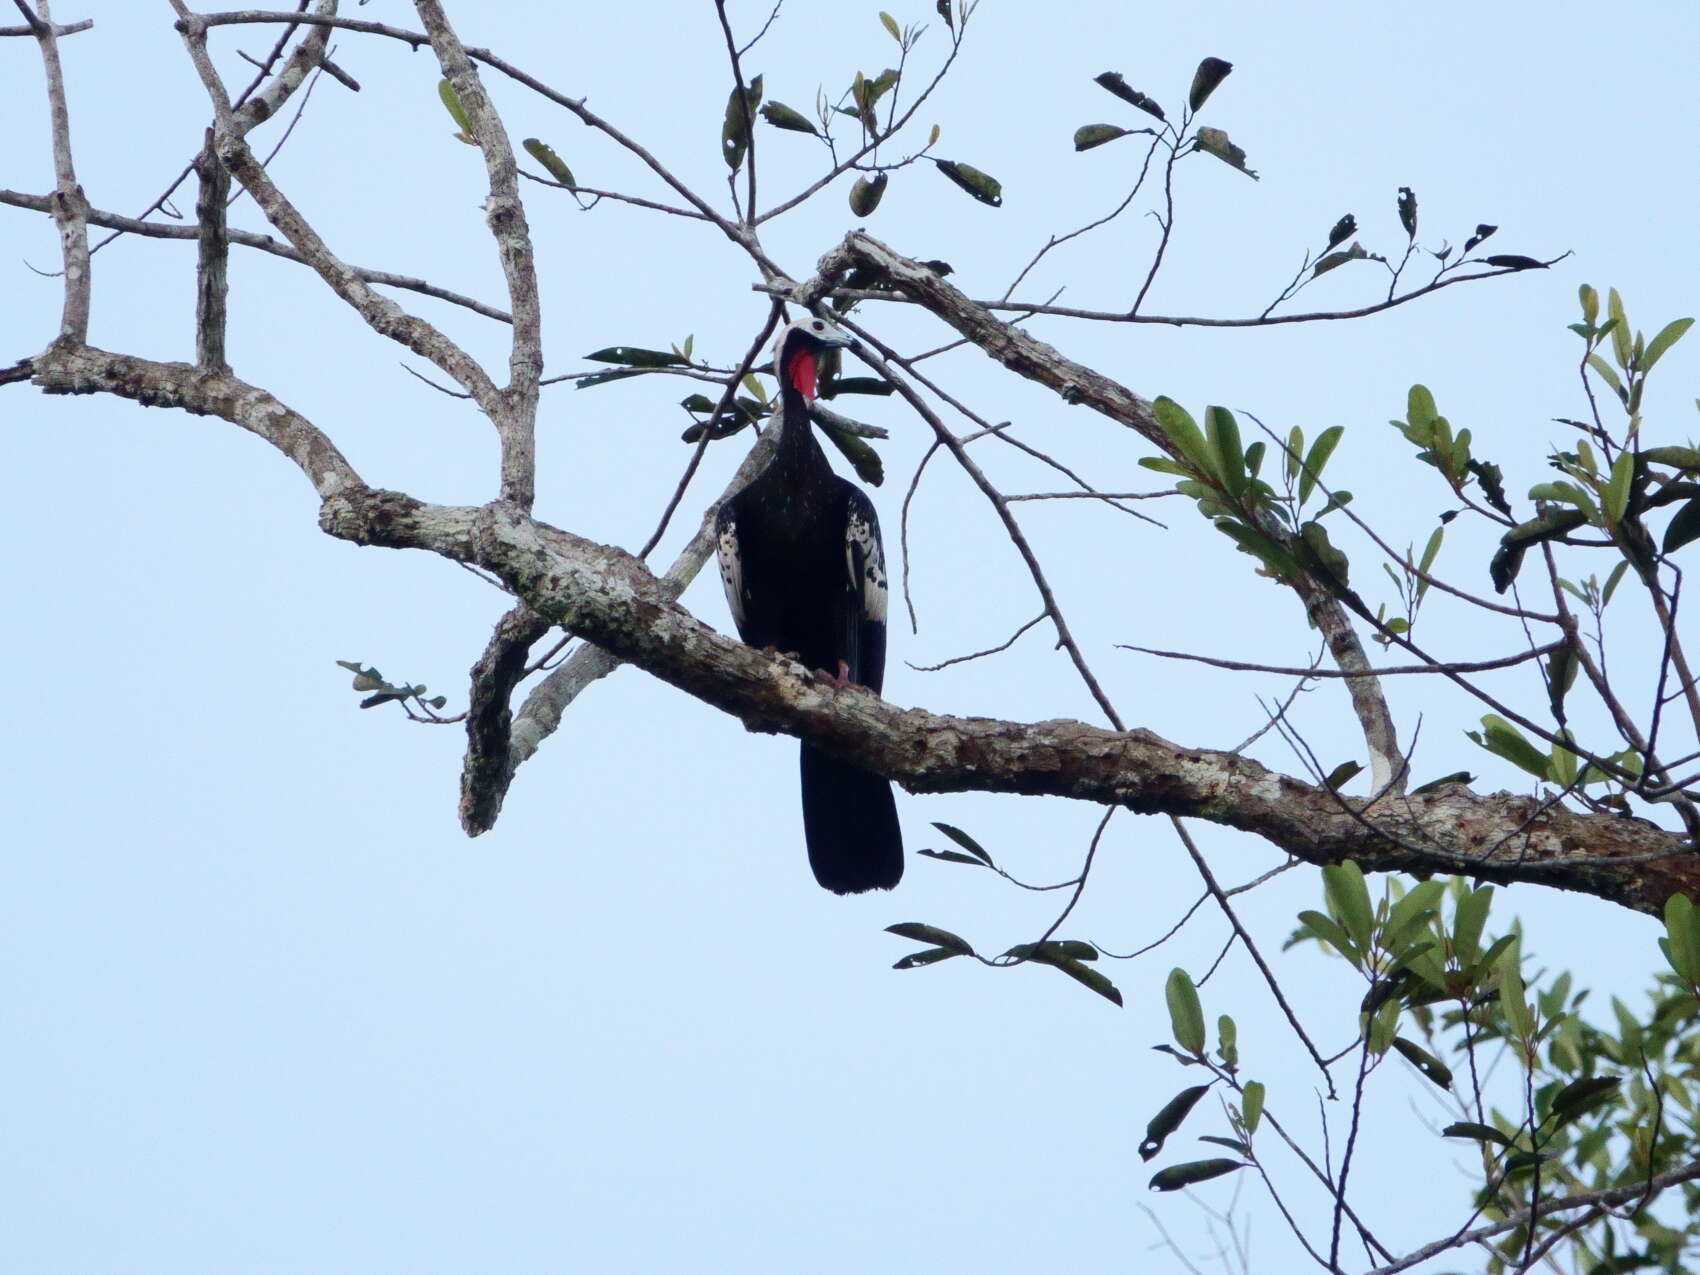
205	392
609	598
1033	359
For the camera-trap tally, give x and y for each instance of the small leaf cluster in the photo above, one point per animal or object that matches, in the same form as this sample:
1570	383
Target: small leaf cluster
861	102
1242	1102
1212	141
1225	478
371	683
1070	956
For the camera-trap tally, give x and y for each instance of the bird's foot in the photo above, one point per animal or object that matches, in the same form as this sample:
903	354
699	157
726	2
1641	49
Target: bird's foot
838	680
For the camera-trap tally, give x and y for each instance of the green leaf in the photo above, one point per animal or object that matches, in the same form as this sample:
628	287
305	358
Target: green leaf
1408	211
1210	73
1334	260
1112	80
1668	336
1331	561
1503	739
987	189
865	195
1186	1015
926	956
1480	1132
1616	495
457	112
1684	528
735	129
635	356
1611	581
1604	370
1233	1144
890	24
863	458
1079	973
1431	1067
1295	450
1513	261
1620	328
1425	564
1581	1096
782	116
1348	897
1343	230
1561	668
1227	1042
551	162
1381	1027
1177	1176
1332	933
1317	460
1682	929
1482	232
1251	1106
1089	135
967	842
1169	1119
1181	430
1213	141
1590	304
1445	781
1223	433
1512	1000
1275	559
603	378
923	933
1341	774
951	856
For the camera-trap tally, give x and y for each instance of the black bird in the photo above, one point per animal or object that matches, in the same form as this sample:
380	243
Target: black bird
804	570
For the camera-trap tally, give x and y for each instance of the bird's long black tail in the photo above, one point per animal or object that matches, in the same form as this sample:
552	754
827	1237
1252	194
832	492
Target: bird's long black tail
850	823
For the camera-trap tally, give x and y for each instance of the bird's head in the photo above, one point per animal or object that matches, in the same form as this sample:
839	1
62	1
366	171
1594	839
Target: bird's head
798	349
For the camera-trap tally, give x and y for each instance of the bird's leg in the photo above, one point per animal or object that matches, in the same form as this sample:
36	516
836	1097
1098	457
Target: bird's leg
840	679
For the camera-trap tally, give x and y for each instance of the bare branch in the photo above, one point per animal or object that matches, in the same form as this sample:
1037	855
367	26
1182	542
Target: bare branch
69	205
262	243
1031	358
1462	666
516	422
1585	1200
86	370
212	283
607	597
990	650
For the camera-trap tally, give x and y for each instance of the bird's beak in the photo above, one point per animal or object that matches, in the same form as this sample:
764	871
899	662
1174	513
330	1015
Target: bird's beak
835	337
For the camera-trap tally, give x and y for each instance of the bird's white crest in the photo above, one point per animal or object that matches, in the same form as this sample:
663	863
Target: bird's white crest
822	330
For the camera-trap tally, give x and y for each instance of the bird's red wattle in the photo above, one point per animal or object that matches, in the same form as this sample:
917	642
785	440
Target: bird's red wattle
801	373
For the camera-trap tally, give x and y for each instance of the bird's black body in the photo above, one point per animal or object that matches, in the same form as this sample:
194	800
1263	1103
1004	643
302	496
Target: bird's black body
804	571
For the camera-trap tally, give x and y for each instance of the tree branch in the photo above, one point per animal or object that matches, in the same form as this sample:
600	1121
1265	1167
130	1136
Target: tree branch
263	243
516	424
609	598
1033	359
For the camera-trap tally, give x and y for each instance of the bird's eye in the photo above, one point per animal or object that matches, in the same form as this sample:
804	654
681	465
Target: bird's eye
818	326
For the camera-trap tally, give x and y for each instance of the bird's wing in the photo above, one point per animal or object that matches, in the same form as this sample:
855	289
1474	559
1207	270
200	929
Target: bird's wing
731	565
864	560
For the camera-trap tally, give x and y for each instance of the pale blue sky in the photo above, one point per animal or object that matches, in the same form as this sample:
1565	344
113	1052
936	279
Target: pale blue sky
266	1010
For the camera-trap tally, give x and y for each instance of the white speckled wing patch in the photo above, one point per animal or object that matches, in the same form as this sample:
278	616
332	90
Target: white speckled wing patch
864	556
731	565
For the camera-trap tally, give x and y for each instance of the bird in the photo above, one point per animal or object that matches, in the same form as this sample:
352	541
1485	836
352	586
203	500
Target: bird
804	572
